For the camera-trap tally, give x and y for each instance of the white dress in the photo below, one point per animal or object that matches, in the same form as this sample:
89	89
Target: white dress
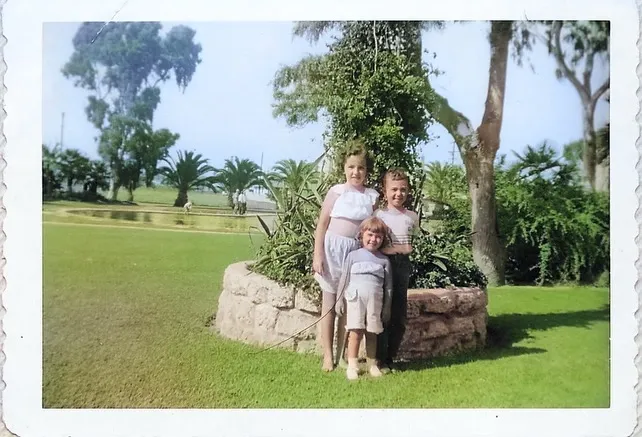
352	205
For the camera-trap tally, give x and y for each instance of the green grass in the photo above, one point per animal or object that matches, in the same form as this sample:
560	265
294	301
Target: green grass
126	325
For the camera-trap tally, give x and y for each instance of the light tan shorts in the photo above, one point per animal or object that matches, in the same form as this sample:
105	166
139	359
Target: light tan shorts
363	308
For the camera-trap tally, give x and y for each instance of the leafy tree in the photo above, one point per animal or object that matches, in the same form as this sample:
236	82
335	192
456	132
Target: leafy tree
371	88
374	111
189	172
555	230
589	43
122	65
237	175
370	85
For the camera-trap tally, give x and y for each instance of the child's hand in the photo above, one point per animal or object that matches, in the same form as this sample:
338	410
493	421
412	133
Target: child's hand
317	264
385	314
340	307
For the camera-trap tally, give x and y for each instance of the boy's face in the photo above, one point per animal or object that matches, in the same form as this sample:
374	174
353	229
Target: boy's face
396	192
355	170
371	240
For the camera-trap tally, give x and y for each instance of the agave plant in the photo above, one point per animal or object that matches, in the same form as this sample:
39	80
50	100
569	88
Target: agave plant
286	256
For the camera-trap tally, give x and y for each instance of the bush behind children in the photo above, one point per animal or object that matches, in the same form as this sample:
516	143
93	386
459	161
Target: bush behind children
361	262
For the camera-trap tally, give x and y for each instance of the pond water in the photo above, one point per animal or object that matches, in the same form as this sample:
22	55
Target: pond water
206	222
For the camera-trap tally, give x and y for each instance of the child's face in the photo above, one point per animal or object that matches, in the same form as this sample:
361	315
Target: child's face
355	170
396	192
371	240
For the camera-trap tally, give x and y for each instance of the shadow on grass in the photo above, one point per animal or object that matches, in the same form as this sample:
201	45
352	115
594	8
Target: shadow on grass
504	330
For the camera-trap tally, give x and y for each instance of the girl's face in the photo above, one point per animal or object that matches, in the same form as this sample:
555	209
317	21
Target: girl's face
355	170
371	241
396	192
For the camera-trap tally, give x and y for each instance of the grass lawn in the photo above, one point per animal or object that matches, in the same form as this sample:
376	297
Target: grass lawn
126	314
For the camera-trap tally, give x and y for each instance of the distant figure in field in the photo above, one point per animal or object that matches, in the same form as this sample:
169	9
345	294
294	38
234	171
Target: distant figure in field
242	203
188	207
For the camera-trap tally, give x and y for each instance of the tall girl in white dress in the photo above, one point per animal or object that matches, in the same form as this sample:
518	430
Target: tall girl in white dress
344	208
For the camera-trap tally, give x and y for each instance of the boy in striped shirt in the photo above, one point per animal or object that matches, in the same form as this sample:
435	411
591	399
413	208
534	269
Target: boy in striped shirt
402	224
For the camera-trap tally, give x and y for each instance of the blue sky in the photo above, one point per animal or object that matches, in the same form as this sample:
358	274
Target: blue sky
227	108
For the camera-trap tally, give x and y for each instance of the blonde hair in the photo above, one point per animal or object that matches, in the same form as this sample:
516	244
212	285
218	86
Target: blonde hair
375	225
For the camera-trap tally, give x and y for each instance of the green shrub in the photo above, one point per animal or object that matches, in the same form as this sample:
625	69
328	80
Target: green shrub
443	260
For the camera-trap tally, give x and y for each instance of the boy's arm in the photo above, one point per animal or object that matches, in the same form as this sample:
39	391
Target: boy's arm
387	292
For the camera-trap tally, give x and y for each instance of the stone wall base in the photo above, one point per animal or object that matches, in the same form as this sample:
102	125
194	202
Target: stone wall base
257	310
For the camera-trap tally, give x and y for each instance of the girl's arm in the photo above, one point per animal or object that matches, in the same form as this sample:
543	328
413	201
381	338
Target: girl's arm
322	227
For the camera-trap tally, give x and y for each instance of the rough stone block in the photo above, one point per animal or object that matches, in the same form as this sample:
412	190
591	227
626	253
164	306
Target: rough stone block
265	317
293	321
280	297
427	326
458	325
302	302
430	301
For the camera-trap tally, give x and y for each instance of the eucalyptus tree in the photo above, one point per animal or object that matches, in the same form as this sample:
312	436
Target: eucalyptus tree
123	65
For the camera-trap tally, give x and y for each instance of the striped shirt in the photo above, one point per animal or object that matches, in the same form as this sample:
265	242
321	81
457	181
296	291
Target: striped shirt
402	224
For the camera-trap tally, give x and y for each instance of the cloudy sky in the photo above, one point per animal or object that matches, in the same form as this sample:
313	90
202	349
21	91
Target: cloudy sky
227	108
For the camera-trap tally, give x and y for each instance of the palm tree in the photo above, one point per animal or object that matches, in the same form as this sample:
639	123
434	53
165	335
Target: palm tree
190	171
50	170
97	177
237	175
293	177
73	167
444	182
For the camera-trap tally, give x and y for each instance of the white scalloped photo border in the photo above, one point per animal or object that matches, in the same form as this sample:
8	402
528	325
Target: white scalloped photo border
22	295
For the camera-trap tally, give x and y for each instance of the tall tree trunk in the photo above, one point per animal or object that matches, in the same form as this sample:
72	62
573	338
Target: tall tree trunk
130	193
181	199
479	157
478	149
589	152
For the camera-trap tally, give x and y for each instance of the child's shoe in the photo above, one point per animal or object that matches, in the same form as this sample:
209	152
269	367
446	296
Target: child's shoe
375	371
352	373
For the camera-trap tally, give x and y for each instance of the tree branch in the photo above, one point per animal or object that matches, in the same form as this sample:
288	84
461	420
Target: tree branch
559	57
456	123
601	90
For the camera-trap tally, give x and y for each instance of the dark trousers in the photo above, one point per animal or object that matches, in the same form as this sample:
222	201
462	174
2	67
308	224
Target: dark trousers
389	340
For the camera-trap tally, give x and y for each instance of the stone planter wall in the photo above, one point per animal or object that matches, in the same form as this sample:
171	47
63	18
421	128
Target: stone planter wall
257	310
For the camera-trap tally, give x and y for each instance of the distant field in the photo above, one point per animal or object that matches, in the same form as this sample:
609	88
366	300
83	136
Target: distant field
166	195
